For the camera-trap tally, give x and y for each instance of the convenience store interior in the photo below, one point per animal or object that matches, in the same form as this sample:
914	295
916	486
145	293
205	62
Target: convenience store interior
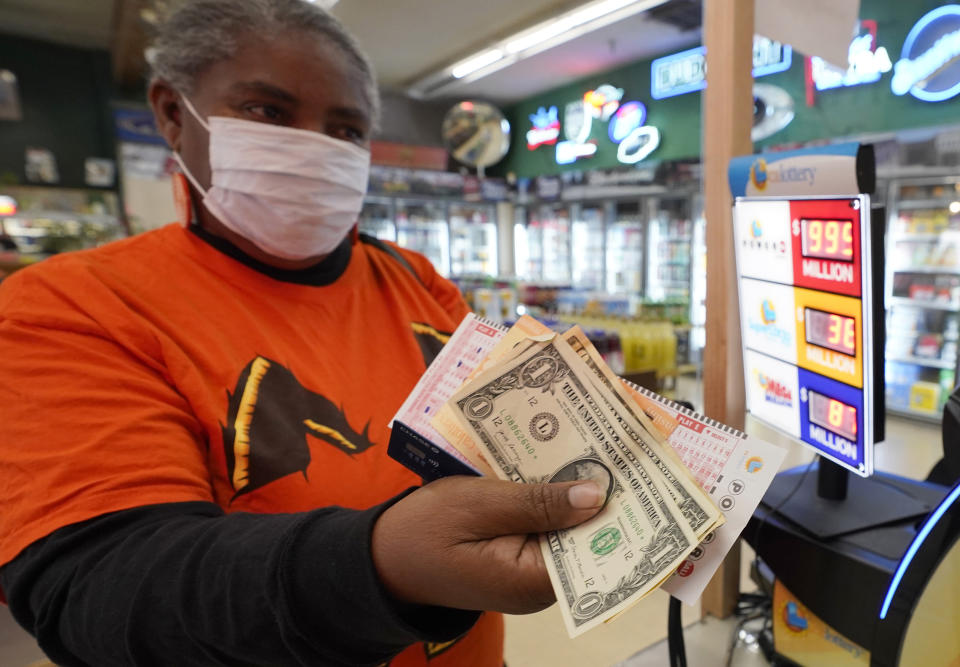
612	241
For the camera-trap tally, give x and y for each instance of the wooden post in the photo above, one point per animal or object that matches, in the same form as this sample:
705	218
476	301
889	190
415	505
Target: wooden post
727	110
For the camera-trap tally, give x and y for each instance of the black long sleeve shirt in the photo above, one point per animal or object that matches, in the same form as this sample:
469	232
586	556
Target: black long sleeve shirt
185	584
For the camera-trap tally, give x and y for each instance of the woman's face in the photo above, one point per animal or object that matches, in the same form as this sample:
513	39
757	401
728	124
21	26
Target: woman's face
295	81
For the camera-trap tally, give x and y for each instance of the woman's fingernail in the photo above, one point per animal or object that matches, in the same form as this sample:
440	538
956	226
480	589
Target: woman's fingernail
586	496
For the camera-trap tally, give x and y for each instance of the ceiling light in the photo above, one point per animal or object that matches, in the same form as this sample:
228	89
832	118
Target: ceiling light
475	63
535	39
955	207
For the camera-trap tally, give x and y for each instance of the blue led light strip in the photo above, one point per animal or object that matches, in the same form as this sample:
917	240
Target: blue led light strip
915	546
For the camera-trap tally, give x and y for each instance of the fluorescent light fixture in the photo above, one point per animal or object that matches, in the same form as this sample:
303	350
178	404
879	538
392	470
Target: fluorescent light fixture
545	35
555	27
477	62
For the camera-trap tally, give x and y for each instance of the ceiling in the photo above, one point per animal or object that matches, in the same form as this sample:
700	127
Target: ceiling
406	39
84	23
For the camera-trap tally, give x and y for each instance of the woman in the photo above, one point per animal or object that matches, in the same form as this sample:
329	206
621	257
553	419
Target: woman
195	420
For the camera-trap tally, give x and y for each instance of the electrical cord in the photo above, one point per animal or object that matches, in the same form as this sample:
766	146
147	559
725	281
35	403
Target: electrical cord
675	644
758	532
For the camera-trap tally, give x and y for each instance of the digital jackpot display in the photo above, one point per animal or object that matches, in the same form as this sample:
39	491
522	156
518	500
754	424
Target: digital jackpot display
805	286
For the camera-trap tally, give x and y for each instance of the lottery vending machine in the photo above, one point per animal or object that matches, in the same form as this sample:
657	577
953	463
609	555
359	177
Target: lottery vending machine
811	350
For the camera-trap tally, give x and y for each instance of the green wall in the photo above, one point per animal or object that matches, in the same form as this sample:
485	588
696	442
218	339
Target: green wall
65	94
838	112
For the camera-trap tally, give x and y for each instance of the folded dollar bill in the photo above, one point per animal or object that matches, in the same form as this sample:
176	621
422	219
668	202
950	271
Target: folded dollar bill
530	405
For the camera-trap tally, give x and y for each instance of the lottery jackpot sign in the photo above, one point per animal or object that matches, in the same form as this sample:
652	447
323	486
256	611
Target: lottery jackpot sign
806	308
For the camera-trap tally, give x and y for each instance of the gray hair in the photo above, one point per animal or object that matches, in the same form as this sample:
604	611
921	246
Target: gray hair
199	33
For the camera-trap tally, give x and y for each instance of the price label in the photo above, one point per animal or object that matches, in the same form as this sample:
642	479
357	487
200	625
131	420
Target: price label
827	239
832	331
834	415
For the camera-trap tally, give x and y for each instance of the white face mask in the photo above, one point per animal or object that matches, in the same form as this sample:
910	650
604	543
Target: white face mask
292	192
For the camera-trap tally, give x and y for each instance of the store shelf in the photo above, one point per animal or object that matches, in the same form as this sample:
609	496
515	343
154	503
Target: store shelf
920	303
930	236
922	361
910	333
951	270
923	415
906	204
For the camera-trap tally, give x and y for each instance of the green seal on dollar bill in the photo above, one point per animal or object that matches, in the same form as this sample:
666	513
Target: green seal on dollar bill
605	540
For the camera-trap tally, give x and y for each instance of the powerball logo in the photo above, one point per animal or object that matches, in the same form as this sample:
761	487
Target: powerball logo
754	464
758	173
773	391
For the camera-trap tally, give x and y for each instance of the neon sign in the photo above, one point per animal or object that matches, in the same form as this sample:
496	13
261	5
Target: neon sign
866	63
546	128
8	205
626	127
629	117
638	144
928	67
686	72
604	101
569	152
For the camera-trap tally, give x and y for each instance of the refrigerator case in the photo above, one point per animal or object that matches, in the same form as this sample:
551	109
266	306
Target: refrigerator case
625	250
669	245
473	240
698	287
422	226
923	295
376	219
587	246
543	245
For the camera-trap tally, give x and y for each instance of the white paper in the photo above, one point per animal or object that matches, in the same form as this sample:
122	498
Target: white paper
821	28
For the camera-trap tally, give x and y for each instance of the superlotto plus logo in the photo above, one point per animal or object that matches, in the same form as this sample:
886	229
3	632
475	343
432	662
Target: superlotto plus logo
773	391
768	312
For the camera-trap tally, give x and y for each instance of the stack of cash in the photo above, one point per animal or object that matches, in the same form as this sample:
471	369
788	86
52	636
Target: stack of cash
544	407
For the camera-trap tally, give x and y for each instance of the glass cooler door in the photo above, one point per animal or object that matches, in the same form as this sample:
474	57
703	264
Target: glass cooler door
588	246
473	240
625	250
923	295
376	219
422	226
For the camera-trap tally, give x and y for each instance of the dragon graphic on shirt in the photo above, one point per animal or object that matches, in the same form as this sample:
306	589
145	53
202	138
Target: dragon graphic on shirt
270	414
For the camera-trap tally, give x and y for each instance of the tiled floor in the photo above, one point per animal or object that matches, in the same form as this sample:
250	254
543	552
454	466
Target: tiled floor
637	638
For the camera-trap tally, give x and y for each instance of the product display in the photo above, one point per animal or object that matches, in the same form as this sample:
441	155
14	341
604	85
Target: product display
923	295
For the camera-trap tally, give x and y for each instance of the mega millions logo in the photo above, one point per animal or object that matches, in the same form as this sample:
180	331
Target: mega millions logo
758	173
773	391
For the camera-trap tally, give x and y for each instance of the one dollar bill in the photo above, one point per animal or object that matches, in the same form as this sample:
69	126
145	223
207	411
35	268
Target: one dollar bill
540	418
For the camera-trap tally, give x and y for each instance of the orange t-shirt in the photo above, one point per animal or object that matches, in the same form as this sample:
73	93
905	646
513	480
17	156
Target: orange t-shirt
158	369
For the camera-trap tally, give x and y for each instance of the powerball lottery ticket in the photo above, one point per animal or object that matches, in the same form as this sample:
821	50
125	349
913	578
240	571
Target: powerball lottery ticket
734	469
467	347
